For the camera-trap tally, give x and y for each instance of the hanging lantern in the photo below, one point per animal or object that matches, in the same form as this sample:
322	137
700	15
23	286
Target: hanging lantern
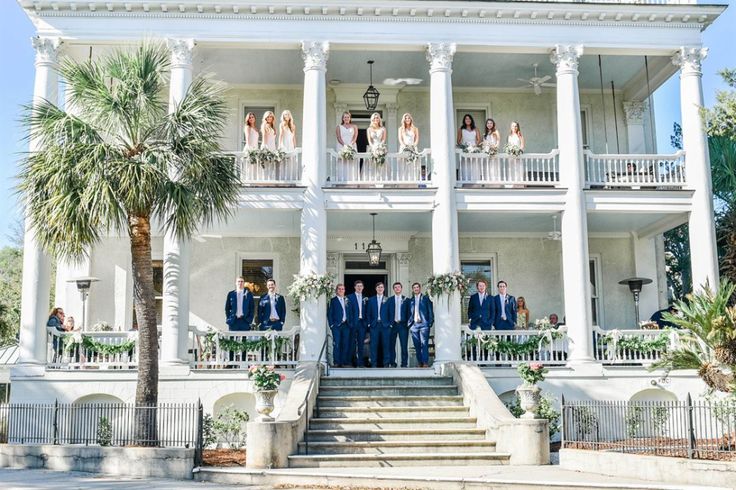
374	248
370	97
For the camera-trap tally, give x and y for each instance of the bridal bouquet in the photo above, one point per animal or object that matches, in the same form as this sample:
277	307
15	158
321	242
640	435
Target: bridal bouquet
378	154
347	153
513	150
471	149
490	149
410	154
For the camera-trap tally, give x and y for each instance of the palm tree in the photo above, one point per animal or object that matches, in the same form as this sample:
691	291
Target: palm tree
723	170
119	160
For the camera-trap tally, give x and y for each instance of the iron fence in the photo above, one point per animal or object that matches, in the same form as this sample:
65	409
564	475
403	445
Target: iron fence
104	424
702	430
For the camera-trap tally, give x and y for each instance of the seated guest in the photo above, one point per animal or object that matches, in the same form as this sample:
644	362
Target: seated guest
379	325
56	319
554	320
338	318
239	307
271	308
505	306
657	317
481	308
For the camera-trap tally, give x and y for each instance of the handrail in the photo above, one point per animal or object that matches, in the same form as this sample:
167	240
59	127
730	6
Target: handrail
306	397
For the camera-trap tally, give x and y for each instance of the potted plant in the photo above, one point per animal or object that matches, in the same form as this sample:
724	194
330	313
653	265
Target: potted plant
531	374
266	381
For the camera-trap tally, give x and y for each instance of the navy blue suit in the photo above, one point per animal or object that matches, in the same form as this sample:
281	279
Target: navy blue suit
358	327
399	329
379	325
509	307
341	352
481	315
420	329
264	312
234	322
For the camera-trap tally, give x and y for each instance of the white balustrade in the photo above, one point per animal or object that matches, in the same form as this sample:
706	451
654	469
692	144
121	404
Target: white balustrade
287	172
215	349
92	350
635	171
535	169
511	347
396	170
633	347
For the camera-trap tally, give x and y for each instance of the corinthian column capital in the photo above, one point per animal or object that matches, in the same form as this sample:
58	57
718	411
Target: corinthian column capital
439	56
690	60
565	57
47	49
181	52
315	55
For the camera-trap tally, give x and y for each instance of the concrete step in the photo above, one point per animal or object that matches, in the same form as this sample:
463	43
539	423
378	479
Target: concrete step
391	412
398	459
394	423
387	381
384	447
364	400
416	434
389	390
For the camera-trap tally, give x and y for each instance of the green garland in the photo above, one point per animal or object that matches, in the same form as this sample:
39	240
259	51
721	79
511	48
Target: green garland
244	345
512	347
640	345
92	345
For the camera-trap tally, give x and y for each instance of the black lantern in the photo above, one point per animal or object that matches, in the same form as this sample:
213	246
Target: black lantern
635	284
374	248
370	97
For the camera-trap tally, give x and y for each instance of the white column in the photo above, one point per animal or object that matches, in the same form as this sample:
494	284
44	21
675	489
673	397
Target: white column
645	262
175	315
575	272
313	256
634	111
663	293
392	126
34	307
704	259
445	255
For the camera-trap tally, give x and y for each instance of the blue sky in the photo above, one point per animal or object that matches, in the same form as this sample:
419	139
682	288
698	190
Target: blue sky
16	87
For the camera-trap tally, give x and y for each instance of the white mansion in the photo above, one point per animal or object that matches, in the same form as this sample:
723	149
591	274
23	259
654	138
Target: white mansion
584	207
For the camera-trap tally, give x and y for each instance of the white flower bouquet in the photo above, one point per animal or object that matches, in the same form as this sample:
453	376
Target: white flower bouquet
410	154
378	154
311	286
490	149
264	156
471	149
347	153
445	284
513	150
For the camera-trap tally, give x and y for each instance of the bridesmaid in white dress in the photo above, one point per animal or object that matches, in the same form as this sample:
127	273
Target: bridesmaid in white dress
492	137
268	140
251	132
408	136
346	133
376	136
287	143
517	165
469	135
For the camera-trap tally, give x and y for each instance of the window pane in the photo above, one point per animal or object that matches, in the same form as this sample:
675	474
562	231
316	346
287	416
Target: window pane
255	273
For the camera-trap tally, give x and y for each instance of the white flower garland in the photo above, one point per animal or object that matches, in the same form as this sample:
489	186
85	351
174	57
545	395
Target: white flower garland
446	284
311	286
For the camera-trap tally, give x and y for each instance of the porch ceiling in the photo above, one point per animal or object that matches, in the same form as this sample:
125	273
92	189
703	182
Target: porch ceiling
255	222
644	224
394	222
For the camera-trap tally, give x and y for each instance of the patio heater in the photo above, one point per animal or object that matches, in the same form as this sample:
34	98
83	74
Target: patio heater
83	285
635	284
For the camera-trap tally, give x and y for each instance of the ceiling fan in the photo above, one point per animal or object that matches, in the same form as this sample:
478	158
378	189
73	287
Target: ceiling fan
537	82
555	234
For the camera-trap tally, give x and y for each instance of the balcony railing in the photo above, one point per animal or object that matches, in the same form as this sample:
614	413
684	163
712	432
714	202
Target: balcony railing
213	349
287	172
511	347
632	347
92	350
635	171
528	169
396	170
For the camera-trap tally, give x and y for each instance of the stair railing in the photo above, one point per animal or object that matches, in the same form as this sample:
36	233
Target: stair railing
305	403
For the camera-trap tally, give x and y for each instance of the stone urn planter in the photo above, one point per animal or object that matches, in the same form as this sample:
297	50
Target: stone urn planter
529	396
264	404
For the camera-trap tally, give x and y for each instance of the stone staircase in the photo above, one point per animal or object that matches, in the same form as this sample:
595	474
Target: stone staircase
393	421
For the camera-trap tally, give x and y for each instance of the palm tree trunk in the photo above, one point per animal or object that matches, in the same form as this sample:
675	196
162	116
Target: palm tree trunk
146	393
728	231
716	378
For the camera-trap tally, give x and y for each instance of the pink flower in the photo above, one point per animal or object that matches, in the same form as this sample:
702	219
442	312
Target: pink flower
282	377
536	366
253	369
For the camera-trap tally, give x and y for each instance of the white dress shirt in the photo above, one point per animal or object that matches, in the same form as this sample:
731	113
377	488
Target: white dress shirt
273	314
502	298
379	301
341	299
417	315
359	297
397	313
239	298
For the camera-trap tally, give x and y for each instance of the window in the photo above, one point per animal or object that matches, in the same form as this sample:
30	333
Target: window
595	303
474	270
259	111
256	272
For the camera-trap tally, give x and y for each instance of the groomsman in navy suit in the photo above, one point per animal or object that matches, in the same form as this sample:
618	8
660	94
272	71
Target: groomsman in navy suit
359	323
505	308
481	308
239	307
420	317
338	318
272	308
379	325
398	304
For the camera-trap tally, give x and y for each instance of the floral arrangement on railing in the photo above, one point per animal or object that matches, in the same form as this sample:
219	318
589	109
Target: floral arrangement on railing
264	156
491	343
446	284
311	286
102	326
90	344
244	344
265	378
470	148
347	152
410	154
378	154
616	342
514	150
532	373
648	325
490	149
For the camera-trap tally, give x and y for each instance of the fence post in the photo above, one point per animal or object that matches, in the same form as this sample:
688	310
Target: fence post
564	415
198	448
690	428
56	422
